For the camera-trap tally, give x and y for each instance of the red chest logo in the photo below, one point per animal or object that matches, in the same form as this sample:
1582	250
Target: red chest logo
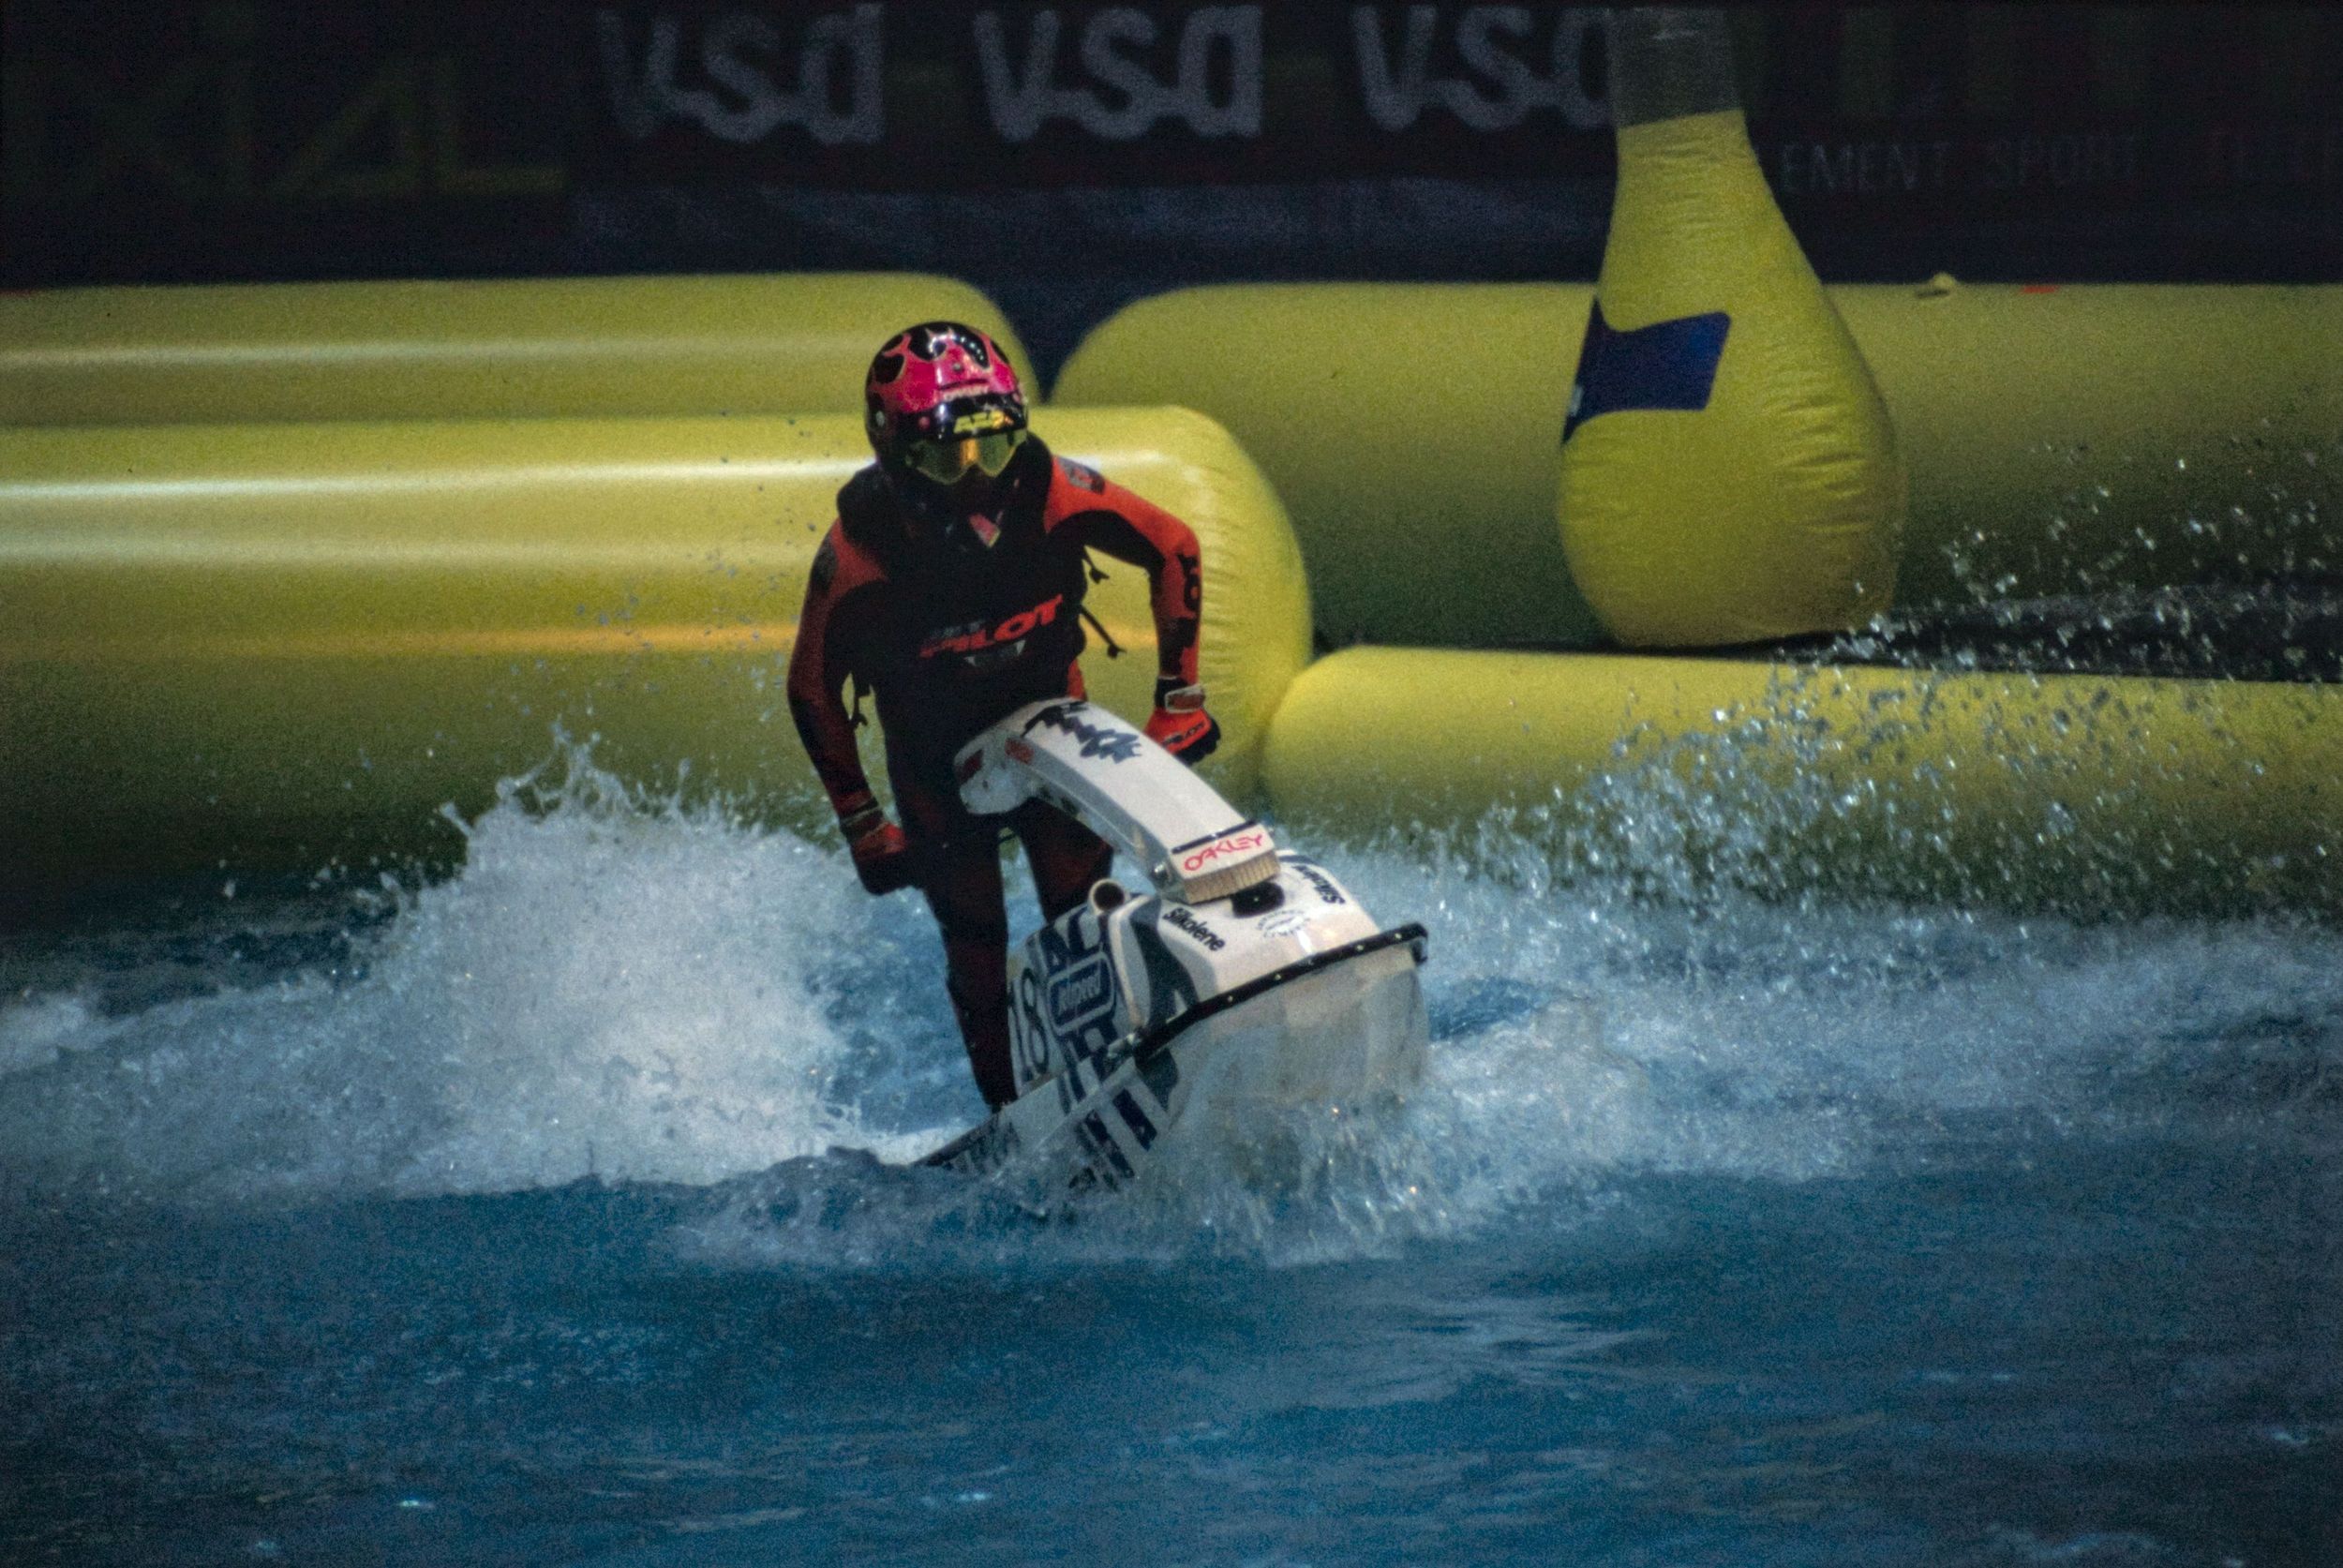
978	638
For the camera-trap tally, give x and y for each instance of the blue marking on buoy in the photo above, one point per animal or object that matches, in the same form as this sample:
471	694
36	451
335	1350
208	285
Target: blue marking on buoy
1668	365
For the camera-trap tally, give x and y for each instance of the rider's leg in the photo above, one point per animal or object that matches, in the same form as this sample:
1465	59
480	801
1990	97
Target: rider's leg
963	885
1066	857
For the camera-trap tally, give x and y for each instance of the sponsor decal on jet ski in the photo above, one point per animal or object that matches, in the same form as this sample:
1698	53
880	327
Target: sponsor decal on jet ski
1063	998
1246	838
1080	994
1117	743
1189	922
1241	979
1325	886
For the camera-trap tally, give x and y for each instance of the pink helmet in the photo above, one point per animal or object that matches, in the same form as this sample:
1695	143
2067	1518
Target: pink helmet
936	380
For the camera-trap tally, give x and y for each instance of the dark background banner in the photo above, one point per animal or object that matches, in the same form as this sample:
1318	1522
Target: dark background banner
1069	156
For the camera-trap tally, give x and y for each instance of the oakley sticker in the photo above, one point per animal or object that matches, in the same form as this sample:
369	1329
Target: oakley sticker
1243	841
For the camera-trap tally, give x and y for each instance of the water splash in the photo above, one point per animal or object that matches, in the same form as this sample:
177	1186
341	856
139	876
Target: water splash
632	992
638	993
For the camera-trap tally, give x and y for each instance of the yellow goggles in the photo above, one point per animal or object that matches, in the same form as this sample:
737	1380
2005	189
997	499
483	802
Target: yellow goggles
948	460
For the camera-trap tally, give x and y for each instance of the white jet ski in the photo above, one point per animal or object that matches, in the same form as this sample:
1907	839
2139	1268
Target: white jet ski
1249	978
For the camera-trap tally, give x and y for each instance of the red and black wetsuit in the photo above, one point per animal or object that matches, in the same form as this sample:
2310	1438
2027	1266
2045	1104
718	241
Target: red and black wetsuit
950	630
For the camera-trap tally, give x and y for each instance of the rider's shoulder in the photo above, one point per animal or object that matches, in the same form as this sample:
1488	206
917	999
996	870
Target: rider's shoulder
856	547
1076	487
1078	477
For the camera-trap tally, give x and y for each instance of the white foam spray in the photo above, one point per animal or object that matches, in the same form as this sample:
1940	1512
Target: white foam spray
646	994
608	990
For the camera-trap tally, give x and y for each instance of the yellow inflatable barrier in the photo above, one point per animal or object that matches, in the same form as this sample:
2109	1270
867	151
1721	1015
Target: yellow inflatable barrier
1414	431
2058	440
1728	471
578	347
2084	793
2071	440
277	646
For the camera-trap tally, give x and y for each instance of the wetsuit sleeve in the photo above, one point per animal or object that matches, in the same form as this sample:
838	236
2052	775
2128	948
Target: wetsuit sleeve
819	665
1131	529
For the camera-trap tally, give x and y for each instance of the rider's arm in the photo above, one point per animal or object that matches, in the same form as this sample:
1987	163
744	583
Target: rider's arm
1130	528
818	668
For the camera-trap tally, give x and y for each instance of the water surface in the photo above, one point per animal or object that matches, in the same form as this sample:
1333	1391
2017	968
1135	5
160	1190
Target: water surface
557	1213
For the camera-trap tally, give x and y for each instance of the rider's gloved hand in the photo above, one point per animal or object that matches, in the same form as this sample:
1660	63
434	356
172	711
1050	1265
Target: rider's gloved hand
882	856
1180	724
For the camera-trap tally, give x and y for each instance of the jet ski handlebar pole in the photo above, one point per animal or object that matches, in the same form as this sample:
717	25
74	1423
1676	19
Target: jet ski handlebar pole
1111	777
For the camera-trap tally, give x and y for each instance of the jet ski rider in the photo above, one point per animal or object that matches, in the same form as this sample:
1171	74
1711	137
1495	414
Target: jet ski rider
950	587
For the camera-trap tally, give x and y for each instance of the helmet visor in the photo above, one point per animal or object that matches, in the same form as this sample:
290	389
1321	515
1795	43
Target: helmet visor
948	461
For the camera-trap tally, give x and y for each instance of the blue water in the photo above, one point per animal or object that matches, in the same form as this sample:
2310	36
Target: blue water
554	1213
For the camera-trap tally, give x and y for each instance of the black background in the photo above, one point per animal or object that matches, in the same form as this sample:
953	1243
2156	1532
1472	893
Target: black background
244	140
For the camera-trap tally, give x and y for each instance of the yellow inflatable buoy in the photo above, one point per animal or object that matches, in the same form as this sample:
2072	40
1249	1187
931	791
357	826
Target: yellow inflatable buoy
1729	473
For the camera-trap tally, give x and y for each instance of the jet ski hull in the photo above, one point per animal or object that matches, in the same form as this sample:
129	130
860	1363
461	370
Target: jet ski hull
1249	980
1337	1029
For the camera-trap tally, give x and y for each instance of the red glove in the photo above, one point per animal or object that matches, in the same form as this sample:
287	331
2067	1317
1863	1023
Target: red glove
1180	724
882	856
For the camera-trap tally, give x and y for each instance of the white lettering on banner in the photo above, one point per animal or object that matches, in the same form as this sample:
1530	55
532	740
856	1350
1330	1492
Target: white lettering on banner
2275	154
1116	48
1860	168
740	52
2079	158
1510	90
